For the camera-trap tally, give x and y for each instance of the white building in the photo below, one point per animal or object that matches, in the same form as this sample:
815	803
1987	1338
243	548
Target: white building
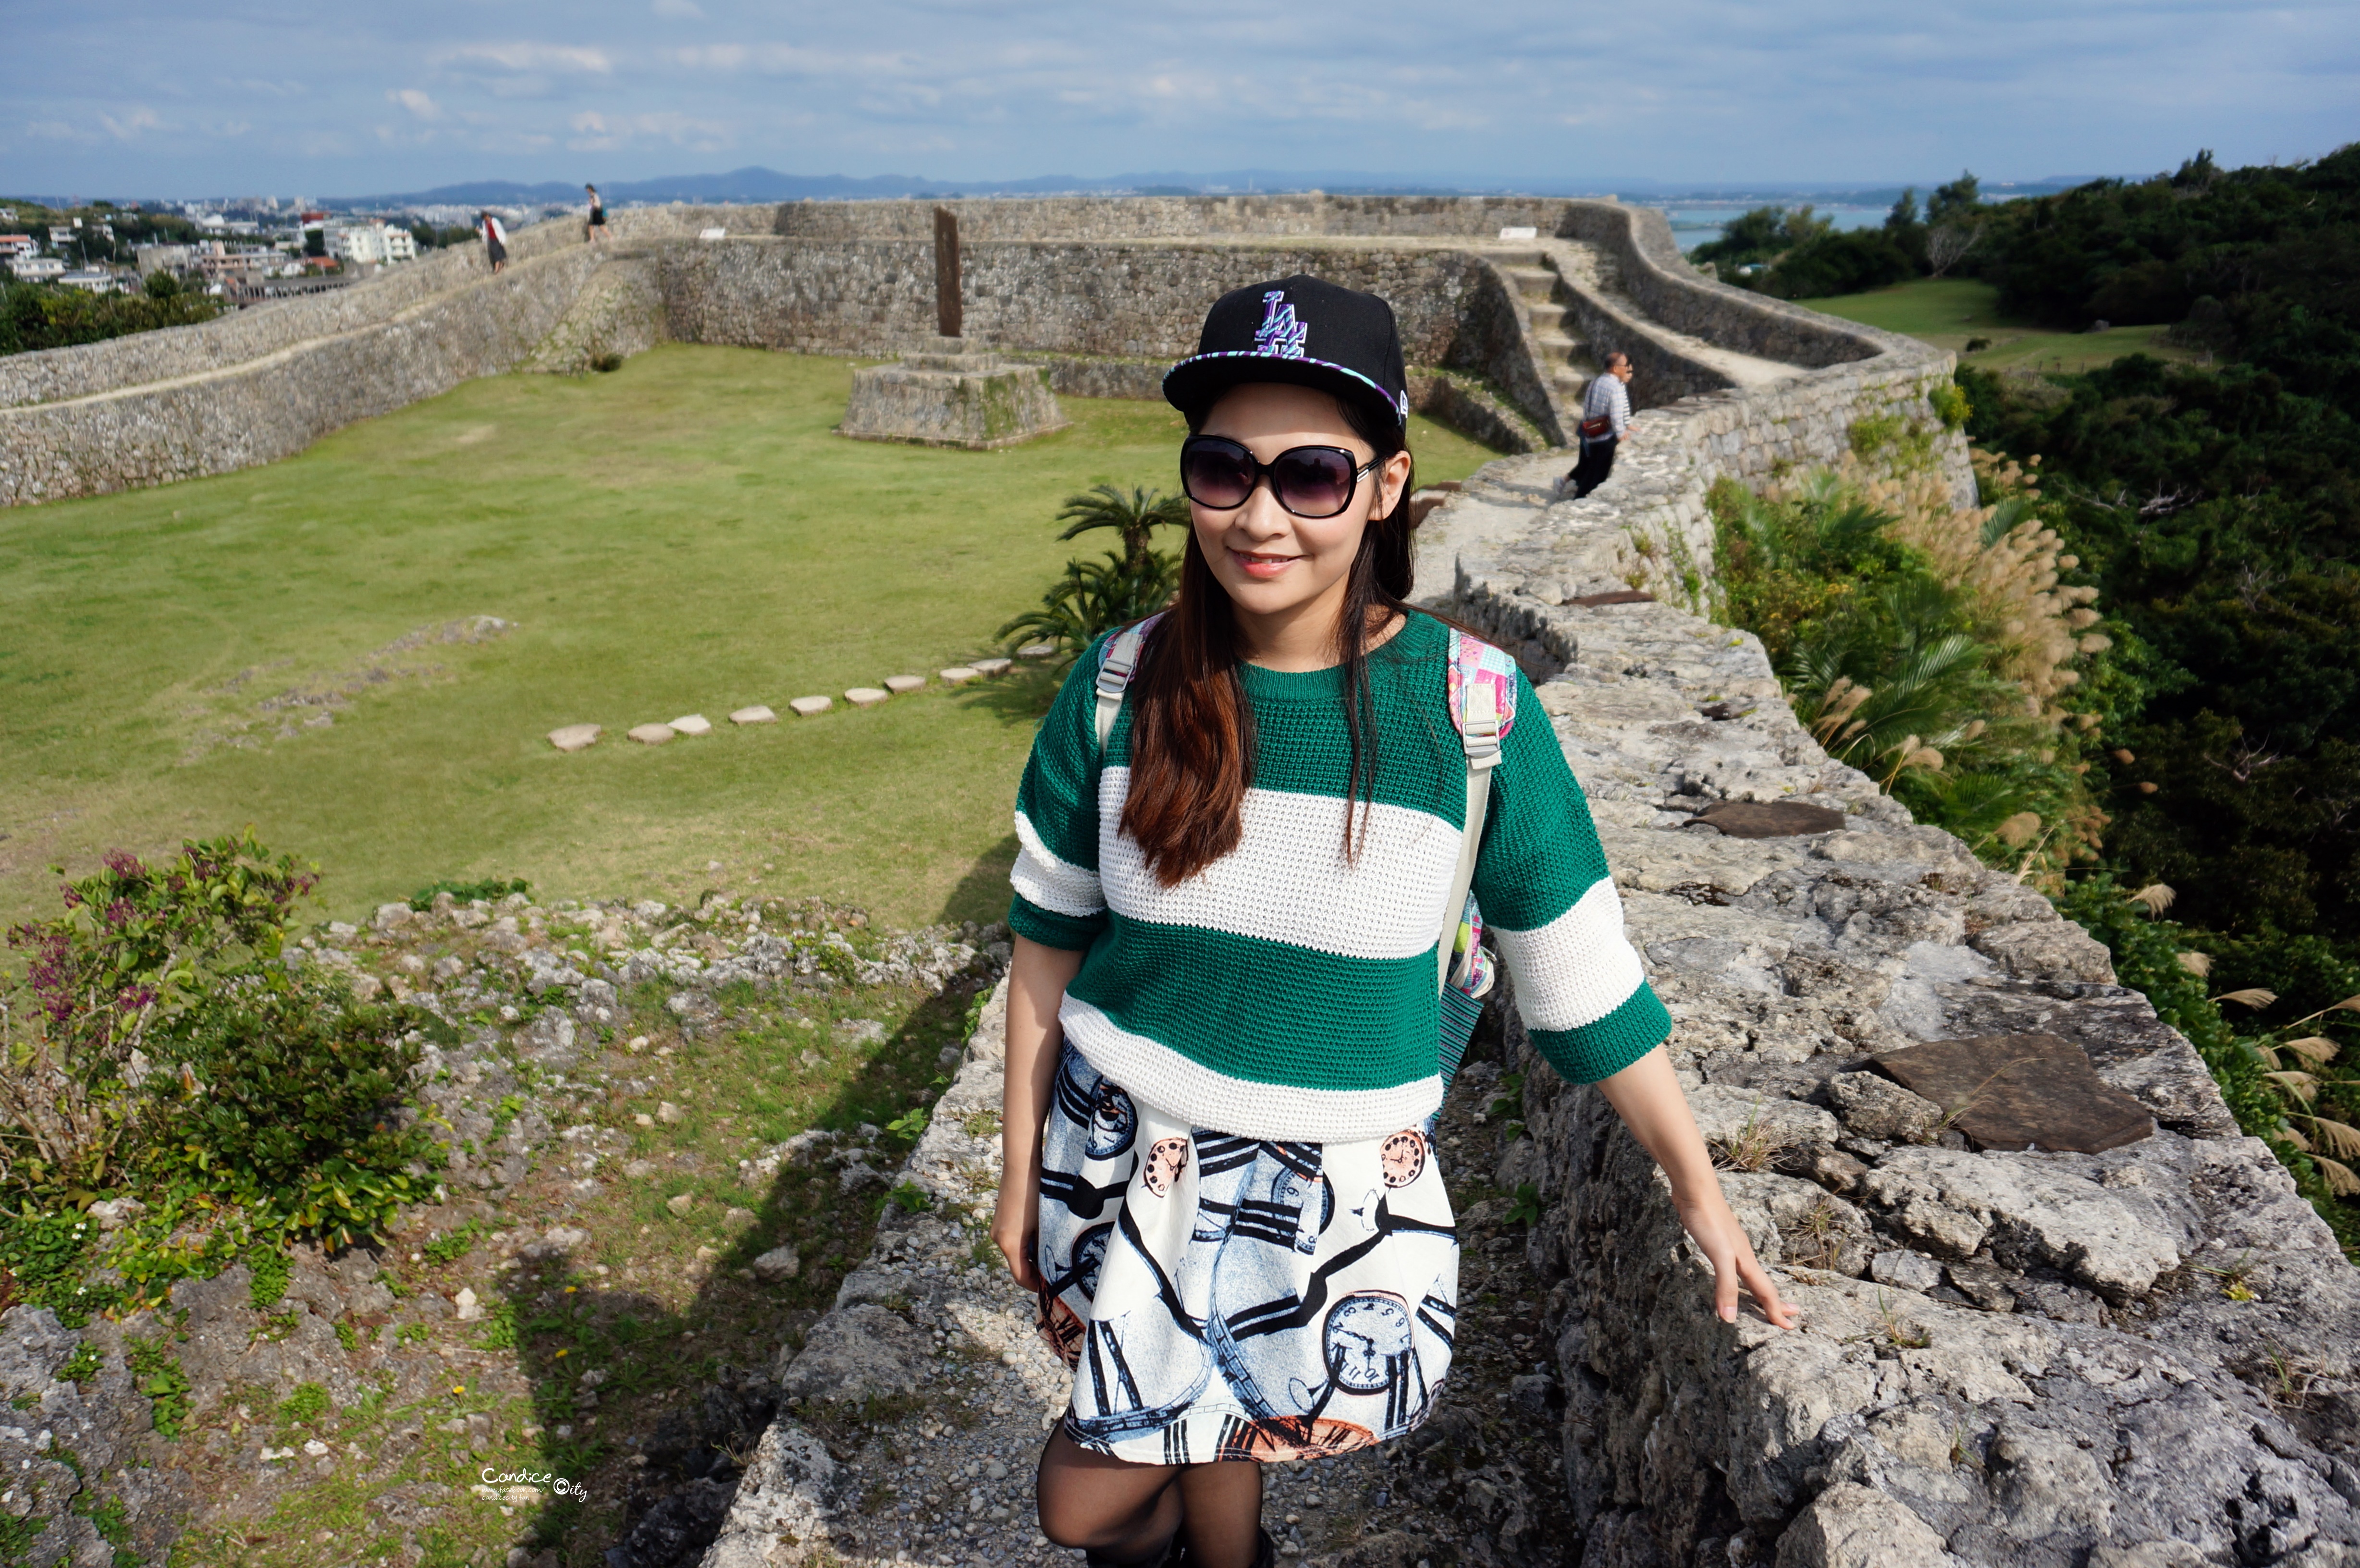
371	245
14	245
36	268
162	259
97	280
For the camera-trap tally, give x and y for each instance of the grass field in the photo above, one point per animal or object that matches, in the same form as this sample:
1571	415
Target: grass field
1950	311
684	535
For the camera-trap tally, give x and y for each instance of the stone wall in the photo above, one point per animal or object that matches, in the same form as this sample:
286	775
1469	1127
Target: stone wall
277	403
2007	1359
1123	282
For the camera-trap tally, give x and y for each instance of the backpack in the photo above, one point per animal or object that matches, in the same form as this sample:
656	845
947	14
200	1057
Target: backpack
1482	701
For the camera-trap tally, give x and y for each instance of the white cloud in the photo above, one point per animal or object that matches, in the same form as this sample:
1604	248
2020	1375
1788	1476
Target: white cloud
562	58
131	124
596	132
417	102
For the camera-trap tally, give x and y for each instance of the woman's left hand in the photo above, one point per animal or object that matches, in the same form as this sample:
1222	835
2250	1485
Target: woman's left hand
1647	1095
1707	1219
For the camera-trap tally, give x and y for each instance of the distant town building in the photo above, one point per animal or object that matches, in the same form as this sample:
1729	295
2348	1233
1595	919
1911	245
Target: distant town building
97	280
36	268
63	233
14	245
163	258
371	245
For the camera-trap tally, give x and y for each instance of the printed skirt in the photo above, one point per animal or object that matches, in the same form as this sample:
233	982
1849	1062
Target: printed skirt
1230	1298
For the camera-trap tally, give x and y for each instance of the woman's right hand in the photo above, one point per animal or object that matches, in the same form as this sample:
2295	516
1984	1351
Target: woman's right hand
1016	1222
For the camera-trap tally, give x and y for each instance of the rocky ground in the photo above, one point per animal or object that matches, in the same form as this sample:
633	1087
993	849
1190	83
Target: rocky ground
669	1134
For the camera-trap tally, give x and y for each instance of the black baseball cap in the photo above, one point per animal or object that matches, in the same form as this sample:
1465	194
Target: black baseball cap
1304	331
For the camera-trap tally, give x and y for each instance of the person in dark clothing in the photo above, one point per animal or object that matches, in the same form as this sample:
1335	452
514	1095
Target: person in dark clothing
595	229
1605	416
495	240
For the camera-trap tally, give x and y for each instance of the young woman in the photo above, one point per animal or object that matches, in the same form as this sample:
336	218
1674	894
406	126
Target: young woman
1222	1061
593	228
495	240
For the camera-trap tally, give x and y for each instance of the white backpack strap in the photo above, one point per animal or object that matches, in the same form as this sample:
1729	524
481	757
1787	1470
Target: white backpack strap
1118	664
1481	675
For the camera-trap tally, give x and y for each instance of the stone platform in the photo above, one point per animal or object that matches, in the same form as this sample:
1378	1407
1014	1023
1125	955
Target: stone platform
977	401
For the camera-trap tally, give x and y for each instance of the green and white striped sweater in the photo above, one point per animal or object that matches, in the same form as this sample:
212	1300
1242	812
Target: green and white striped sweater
1283	992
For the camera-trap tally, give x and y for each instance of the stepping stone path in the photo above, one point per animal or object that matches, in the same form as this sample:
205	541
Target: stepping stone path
575	737
1036	650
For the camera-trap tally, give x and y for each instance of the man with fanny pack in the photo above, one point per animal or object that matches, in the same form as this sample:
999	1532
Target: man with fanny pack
1605	415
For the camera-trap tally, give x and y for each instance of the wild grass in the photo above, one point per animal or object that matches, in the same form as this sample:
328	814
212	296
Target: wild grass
1932	646
683	535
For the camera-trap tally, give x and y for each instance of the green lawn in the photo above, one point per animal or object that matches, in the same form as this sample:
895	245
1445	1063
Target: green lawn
1951	311
684	535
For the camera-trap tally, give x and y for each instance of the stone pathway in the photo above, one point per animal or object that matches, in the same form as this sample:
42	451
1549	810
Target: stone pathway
581	737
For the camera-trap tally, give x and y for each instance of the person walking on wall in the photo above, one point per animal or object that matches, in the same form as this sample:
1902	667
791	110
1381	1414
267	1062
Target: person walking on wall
495	240
1246	836
1605	416
595	228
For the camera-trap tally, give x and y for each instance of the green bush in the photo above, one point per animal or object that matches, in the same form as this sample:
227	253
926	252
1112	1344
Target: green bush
157	1045
39	315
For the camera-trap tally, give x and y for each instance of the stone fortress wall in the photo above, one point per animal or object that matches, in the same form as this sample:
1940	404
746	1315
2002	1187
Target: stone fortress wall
1106	291
2009	1357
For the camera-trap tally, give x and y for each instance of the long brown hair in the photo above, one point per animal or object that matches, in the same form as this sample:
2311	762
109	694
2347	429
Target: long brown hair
1192	730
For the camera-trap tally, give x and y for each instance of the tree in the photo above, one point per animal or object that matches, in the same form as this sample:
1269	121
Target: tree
1094	596
1947	245
161	285
1957	200
1133	518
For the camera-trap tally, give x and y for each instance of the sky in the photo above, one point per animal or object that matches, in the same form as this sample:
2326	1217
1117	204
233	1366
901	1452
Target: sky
138	98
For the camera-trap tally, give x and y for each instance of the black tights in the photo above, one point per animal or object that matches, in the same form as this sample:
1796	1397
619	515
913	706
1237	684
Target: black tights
1128	1514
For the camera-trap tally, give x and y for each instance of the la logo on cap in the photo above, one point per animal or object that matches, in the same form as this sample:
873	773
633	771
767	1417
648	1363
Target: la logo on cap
1280	336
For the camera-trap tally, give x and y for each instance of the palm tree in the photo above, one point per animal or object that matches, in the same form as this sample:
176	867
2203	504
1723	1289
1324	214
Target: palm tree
1095	595
1133	518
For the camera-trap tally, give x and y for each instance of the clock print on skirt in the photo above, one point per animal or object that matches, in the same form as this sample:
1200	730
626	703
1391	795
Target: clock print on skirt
1229	1297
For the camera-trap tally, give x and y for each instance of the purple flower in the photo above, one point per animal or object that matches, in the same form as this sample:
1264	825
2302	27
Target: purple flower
118	913
123	863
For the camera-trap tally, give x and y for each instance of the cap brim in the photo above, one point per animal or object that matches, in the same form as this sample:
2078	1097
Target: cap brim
1195	382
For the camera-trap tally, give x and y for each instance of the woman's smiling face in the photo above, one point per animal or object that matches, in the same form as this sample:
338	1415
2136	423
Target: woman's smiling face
1269	559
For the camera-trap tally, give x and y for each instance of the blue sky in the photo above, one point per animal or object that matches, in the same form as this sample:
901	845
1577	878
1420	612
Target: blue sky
270	97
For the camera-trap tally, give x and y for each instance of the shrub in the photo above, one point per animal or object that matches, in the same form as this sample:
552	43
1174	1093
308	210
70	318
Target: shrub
157	1045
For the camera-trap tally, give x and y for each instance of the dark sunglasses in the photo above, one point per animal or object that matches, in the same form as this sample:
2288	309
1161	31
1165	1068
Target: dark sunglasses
1311	482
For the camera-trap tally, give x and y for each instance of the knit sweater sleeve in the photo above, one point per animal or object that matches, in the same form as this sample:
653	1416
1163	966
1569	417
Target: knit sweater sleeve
1059	901
1542	881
